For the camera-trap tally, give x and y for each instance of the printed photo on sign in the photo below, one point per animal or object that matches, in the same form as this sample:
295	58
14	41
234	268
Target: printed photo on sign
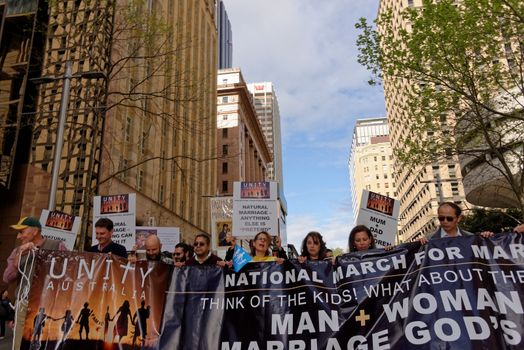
141	235
254	190
380	203
59	220
224	233
114	204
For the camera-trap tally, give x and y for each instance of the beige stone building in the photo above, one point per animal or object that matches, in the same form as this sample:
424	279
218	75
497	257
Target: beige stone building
141	115
244	151
419	190
160	139
371	160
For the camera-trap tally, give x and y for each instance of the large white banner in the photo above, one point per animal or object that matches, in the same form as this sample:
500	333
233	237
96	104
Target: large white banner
60	226
380	214
255	208
121	209
169	236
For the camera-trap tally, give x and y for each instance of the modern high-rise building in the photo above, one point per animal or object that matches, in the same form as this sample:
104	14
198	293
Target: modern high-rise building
268	113
419	189
244	151
370	160
225	37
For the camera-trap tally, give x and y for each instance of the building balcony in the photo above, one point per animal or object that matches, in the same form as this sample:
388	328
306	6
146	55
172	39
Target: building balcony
484	174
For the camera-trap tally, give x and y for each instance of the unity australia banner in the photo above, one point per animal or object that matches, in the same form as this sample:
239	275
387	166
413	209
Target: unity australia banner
453	293
94	301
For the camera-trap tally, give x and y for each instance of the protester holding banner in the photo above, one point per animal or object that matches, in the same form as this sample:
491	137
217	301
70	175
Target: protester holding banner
104	232
231	250
22	258
181	254
313	247
449	216
278	251
260	248
154	250
203	255
360	238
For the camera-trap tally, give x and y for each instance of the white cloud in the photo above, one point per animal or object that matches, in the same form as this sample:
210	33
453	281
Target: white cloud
307	48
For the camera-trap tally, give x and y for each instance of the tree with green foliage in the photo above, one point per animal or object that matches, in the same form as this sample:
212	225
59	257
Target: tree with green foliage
464	64
480	219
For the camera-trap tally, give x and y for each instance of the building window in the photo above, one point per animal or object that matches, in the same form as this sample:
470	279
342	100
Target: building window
128	128
224	150
224	99
224	168
161	194
224	133
140	180
143	143
224	186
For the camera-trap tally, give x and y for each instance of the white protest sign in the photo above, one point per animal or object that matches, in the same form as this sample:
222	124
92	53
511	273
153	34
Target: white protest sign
380	214
255	208
168	236
221	222
121	209
60	227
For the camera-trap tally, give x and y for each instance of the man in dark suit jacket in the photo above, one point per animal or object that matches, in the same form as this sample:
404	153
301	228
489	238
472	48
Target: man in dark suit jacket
203	255
449	216
104	231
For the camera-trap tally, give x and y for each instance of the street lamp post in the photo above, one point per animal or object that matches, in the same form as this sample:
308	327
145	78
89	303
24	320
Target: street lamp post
60	135
64	102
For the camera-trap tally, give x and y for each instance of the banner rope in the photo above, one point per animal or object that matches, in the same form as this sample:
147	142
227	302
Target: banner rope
24	286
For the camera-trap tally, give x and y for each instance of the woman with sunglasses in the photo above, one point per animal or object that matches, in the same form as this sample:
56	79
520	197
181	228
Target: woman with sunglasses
449	216
260	248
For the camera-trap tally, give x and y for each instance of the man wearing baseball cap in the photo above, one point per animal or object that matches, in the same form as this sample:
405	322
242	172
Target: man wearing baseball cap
30	235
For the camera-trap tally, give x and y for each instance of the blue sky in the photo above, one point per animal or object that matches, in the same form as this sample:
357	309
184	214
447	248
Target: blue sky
307	49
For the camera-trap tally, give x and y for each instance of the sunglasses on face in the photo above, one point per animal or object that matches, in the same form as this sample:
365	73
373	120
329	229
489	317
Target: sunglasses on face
178	254
446	218
199	244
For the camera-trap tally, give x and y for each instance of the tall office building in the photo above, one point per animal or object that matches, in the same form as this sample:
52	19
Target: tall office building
421	189
370	160
245	153
268	113
225	37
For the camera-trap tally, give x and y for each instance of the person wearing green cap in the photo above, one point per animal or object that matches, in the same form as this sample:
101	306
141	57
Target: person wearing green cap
30	235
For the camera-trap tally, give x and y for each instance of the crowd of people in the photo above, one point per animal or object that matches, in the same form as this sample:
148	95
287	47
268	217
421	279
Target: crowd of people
263	248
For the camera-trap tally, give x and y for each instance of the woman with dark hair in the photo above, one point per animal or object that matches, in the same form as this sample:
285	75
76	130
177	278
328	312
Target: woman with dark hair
313	247
260	248
360	238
